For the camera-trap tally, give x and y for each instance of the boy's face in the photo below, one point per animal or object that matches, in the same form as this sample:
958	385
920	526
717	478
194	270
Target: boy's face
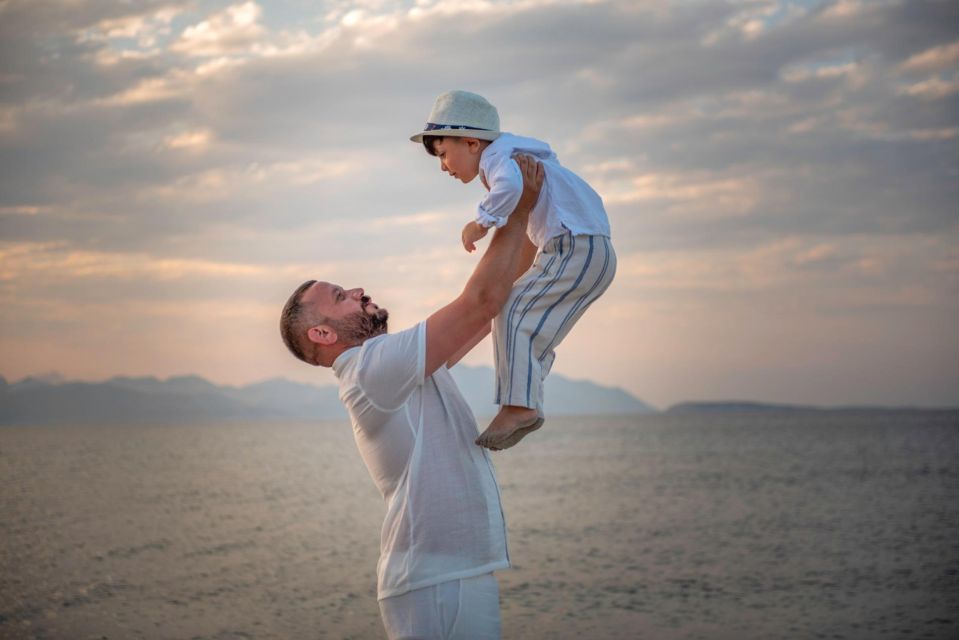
459	157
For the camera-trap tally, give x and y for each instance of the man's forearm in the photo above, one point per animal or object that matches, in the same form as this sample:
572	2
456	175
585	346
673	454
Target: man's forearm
493	277
525	260
450	330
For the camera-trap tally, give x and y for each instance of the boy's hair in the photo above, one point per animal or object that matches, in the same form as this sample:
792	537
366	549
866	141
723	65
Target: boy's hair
429	141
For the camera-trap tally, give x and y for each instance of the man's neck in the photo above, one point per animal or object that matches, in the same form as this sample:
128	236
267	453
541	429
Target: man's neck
329	356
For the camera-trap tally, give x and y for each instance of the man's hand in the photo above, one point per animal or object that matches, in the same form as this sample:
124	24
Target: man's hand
472	232
532	171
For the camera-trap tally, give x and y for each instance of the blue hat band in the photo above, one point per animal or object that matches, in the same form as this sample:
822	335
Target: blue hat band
432	126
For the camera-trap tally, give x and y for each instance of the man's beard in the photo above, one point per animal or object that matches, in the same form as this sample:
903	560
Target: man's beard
357	327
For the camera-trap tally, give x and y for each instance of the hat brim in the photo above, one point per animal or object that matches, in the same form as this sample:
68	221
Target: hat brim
479	134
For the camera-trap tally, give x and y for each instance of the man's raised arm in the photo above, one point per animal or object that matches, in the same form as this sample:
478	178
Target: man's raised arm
449	330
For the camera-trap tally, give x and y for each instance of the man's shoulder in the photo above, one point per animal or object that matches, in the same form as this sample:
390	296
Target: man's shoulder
351	358
408	341
387	368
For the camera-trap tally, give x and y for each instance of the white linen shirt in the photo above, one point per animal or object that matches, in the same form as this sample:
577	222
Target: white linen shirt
565	200
444	520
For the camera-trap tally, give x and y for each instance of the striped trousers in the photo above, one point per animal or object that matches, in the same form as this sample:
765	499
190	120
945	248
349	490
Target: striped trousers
568	274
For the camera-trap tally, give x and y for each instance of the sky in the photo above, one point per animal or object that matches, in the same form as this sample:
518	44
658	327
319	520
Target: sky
780	178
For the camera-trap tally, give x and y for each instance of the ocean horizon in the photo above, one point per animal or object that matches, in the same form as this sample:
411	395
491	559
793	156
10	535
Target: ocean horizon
836	525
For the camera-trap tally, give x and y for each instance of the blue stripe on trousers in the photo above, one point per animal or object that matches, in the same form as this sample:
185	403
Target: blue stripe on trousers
512	309
542	321
531	303
579	303
508	321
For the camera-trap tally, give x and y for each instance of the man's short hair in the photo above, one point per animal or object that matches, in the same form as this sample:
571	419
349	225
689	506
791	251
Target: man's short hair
295	320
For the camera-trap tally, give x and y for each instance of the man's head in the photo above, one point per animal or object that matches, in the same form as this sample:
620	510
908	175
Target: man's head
322	320
459	156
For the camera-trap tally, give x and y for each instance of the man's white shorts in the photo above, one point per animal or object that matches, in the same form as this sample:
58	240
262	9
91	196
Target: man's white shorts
455	610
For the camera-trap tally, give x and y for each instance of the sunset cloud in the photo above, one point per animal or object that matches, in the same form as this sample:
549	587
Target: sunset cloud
235	29
754	157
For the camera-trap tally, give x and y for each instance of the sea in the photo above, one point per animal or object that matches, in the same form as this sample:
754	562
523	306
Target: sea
663	526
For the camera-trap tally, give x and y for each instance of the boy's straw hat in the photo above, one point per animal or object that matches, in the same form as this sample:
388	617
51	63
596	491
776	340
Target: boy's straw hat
462	114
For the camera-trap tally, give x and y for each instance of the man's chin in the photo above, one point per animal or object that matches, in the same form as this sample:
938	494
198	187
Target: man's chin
360	326
379	319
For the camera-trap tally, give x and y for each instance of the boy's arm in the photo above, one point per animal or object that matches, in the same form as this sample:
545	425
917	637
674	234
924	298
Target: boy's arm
505	188
472	232
450	330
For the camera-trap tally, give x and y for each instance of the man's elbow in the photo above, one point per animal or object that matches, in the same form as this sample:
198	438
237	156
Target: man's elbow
488	302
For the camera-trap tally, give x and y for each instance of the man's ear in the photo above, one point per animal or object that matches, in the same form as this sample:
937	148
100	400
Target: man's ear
322	334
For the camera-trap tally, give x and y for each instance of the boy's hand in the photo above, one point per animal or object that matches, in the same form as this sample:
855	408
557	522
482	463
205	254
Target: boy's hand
472	232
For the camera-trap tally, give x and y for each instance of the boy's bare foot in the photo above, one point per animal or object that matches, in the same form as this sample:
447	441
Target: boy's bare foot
510	425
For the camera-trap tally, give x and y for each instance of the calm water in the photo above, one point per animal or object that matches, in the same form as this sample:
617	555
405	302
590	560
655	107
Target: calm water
814	526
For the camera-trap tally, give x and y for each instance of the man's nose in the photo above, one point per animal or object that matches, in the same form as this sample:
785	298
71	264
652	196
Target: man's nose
357	292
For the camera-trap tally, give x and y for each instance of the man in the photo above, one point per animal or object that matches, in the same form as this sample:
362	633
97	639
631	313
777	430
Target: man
444	532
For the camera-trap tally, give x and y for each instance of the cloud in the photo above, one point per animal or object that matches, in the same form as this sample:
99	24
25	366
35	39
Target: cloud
932	88
939	58
26	261
743	149
235	29
133	34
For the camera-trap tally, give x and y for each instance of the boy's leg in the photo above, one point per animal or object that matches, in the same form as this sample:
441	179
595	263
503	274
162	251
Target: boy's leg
458	610
526	290
598	274
575	271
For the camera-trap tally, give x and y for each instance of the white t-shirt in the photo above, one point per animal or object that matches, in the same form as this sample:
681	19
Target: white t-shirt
565	201
444	520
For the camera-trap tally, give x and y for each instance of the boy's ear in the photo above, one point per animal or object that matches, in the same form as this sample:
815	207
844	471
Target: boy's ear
473	143
322	334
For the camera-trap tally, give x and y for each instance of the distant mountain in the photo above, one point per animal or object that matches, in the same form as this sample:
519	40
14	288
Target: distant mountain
191	399
732	406
115	403
563	396
735	406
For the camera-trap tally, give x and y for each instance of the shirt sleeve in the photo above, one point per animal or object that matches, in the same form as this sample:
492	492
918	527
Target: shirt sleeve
392	366
505	188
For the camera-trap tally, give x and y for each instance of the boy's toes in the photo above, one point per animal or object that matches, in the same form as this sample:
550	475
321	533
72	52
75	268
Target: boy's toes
500	440
483	439
519	434
487	441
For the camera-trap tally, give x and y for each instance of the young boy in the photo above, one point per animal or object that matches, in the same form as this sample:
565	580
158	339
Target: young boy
569	232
